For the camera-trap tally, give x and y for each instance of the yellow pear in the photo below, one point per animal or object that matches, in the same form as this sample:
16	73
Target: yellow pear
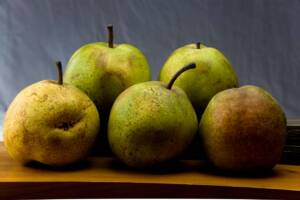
50	122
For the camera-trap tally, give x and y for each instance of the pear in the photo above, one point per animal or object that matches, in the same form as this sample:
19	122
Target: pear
103	70
243	129
151	123
50	122
213	73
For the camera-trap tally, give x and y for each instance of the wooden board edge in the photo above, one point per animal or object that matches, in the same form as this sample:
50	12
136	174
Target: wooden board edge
134	190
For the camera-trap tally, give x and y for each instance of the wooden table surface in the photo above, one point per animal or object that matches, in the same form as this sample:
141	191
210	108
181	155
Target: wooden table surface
106	177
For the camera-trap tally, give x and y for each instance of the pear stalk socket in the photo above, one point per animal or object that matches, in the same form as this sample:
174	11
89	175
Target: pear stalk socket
110	36
189	66
60	74
198	45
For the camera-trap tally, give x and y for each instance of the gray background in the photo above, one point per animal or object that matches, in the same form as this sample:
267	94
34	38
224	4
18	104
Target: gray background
260	37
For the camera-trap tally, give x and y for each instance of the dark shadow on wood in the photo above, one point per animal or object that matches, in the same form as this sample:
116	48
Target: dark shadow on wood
71	167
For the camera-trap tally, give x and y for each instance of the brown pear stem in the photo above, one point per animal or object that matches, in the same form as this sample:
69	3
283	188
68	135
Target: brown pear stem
110	36
189	66
198	45
60	74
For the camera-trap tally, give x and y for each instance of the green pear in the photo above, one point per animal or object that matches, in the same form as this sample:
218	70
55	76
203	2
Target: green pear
151	123
103	70
243	129
51	122
213	73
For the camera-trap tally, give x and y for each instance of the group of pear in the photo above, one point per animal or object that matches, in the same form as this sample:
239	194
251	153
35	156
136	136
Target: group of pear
145	122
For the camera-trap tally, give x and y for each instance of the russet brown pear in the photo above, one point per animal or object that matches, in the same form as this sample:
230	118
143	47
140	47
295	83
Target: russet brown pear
243	129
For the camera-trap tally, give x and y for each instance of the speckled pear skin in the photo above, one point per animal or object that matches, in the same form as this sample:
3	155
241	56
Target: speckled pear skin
103	72
50	123
213	73
243	129
150	124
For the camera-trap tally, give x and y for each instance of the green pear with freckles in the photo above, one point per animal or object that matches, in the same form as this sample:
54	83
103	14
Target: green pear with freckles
151	123
50	122
213	73
103	70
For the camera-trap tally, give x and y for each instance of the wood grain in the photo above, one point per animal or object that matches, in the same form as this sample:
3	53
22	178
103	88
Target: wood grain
106	177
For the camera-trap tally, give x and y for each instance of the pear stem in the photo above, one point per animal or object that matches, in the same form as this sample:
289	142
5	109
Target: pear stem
110	36
60	74
198	45
189	66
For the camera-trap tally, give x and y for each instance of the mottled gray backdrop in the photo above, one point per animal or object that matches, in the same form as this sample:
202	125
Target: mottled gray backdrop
260	37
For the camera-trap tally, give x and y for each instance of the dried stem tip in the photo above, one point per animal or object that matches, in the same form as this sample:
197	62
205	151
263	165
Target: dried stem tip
110	36
60	74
